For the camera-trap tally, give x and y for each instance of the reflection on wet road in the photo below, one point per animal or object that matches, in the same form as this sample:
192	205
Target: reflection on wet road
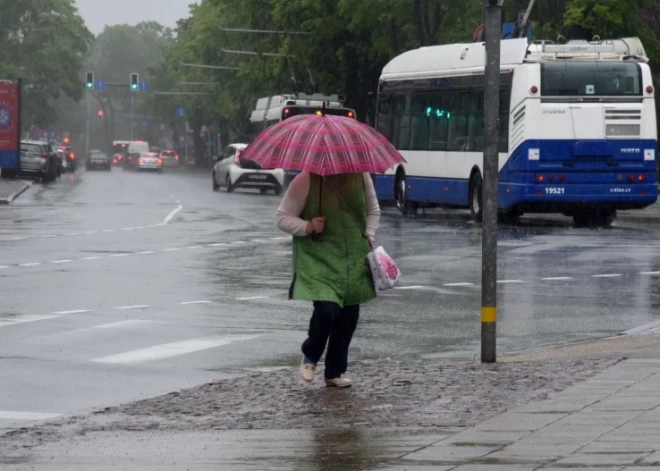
119	286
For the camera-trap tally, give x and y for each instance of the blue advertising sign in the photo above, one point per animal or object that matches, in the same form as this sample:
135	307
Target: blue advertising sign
100	85
181	112
144	86
9	125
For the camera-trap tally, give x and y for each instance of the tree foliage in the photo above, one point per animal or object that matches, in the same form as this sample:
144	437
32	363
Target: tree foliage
43	42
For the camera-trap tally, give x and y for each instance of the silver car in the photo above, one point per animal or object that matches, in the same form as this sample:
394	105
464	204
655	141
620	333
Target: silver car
38	158
150	161
170	158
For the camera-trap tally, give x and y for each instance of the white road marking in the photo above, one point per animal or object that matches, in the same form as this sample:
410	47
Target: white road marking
277	238
21	415
132	306
646	273
115	325
25	319
48	235
510	281
607	275
127	229
186	303
146	252
171	215
557	278
249	298
192	247
77	311
173	249
109	230
459	284
91	258
61	261
72	234
3	266
33	264
409	287
169	350
90	232
238	242
219	244
117	255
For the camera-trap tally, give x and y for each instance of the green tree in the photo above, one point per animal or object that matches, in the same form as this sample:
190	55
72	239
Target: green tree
44	43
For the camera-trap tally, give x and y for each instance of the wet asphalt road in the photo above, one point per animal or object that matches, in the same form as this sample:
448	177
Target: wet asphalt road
118	286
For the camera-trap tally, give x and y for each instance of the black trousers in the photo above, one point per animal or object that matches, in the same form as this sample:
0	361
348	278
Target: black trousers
332	325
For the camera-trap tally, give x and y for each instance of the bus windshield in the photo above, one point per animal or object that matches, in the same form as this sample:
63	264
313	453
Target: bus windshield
591	79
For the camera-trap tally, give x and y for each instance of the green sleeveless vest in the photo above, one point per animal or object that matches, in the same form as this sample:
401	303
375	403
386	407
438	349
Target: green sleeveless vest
335	267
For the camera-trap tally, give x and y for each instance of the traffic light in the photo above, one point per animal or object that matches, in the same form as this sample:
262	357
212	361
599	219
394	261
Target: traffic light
90	81
135	82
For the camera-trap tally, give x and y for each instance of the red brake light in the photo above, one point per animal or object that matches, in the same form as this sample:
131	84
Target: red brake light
287	110
540	178
350	114
641	178
551	178
43	156
534	90
176	157
562	178
649	89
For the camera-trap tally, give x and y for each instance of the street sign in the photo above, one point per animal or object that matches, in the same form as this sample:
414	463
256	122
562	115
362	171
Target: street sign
144	86
181	112
100	85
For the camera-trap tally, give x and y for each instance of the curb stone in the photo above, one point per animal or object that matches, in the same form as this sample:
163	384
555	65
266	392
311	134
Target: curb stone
10	199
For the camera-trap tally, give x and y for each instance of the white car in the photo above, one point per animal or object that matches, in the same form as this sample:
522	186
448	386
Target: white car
149	161
232	171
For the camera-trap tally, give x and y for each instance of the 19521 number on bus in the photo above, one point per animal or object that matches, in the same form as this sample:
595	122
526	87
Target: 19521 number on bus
555	190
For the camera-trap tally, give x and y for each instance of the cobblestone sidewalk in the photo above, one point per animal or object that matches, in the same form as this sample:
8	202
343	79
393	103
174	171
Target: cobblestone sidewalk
611	422
437	397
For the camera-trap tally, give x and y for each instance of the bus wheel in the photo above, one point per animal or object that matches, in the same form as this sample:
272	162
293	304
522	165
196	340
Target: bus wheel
402	202
476	192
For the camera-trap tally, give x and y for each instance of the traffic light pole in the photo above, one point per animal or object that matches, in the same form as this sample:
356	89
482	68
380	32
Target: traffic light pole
493	26
132	118
87	124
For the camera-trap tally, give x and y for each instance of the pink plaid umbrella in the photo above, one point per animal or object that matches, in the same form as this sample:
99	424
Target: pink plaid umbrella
324	145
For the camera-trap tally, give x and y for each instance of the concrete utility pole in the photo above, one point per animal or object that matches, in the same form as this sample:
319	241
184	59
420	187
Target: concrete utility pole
493	26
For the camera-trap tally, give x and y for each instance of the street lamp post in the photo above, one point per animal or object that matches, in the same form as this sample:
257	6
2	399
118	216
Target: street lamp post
493	27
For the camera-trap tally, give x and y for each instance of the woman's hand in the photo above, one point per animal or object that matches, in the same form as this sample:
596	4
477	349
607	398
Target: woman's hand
316	225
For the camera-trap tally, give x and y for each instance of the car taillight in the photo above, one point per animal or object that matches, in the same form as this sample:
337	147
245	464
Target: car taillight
160	161
141	161
641	178
176	157
540	178
43	156
73	156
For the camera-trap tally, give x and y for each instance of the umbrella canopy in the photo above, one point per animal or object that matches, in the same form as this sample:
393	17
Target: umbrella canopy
324	145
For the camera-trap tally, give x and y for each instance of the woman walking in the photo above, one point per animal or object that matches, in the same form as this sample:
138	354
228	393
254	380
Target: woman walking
327	217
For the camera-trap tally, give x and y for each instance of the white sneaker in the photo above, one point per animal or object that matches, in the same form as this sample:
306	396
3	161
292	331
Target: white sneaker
338	383
307	371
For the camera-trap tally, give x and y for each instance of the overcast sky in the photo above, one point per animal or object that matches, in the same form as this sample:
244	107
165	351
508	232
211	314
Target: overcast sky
99	13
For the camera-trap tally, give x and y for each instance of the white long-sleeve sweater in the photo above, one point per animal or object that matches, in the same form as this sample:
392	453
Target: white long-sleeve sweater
293	203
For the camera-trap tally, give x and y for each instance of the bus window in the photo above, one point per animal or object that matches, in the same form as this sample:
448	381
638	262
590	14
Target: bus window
476	122
402	122
385	115
439	116
459	106
420	122
590	78
505	105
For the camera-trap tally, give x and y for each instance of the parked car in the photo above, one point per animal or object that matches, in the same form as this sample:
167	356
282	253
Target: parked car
38	159
149	161
98	159
233	171
170	159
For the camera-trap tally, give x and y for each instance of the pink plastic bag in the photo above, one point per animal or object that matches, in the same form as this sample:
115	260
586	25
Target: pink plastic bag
385	272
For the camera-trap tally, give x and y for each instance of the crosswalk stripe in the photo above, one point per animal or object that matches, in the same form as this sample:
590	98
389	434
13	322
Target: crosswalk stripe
25	319
169	350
